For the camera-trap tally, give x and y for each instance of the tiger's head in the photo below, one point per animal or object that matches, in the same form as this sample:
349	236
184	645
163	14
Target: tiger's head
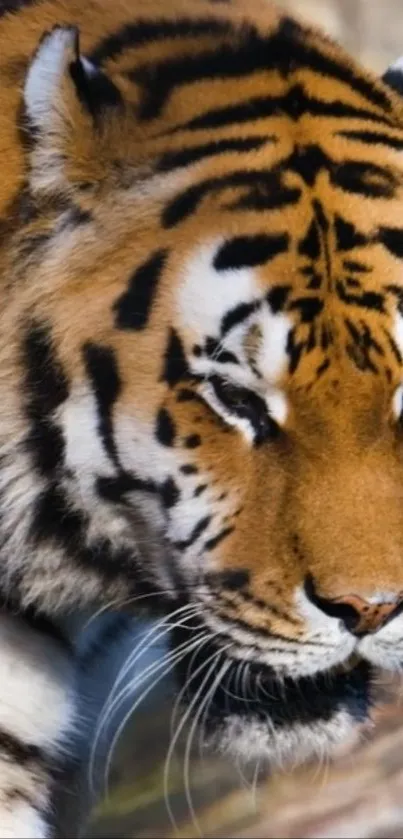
202	343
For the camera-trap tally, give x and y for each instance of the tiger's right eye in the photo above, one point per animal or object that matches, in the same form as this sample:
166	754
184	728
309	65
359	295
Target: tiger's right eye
242	408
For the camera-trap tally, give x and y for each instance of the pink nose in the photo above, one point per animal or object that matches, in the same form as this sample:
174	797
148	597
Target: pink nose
358	615
370	616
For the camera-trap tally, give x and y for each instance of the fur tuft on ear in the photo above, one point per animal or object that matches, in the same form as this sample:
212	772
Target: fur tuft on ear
394	76
65	96
47	75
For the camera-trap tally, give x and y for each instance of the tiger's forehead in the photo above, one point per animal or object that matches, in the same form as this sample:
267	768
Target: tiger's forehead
289	309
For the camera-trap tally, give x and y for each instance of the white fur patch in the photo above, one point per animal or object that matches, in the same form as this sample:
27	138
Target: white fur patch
84	450
398	331
397	403
385	647
36	708
45	75
206	295
272	356
29	661
277	406
255	741
21	822
44	98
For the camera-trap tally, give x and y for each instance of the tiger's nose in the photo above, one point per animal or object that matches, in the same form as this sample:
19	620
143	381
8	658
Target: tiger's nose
358	615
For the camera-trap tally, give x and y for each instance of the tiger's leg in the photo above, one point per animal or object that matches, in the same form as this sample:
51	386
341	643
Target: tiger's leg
36	709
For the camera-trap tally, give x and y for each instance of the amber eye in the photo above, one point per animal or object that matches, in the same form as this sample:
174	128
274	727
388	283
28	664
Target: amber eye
241	405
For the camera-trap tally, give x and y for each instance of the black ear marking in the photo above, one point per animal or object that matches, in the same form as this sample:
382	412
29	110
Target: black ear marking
394	77
95	90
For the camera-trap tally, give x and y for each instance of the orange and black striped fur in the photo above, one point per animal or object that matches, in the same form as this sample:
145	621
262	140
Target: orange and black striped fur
201	384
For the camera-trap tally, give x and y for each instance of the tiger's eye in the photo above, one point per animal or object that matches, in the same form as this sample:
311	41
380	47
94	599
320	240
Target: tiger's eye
246	404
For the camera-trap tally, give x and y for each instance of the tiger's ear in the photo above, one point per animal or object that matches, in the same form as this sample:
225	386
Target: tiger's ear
394	76
65	98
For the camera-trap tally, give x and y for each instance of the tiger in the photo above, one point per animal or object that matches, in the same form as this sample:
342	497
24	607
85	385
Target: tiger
201	384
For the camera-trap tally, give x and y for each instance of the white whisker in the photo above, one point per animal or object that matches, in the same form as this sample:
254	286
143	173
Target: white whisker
112	700
186	763
175	657
182	723
185	684
166	621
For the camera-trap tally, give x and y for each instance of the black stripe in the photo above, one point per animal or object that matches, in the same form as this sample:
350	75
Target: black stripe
12	6
261	186
372	138
310	245
16	751
165	430
230	580
175	368
199	490
308	161
31	244
132	309
392	239
239	59
301	54
192	441
114	489
277	298
308	307
217	353
189	469
212	543
184	157
170	493
293	104
45	388
249	251
294	351
348	236
266	606
364	178
56	523
393	346
237	315
197	531
102	370
363	337
366	299
258	632
356	267
95	90
159	79
137	34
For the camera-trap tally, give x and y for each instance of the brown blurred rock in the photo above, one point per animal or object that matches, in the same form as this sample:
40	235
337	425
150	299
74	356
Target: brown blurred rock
372	30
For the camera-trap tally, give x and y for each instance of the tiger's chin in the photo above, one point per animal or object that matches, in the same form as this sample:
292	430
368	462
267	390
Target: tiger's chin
262	719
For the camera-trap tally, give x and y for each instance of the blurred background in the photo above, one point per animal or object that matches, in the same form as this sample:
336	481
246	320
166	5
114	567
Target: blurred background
361	793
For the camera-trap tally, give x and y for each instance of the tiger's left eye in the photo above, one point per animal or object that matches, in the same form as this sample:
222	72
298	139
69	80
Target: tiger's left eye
239	402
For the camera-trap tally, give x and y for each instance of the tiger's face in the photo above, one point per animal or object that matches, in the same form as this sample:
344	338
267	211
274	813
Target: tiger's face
209	336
